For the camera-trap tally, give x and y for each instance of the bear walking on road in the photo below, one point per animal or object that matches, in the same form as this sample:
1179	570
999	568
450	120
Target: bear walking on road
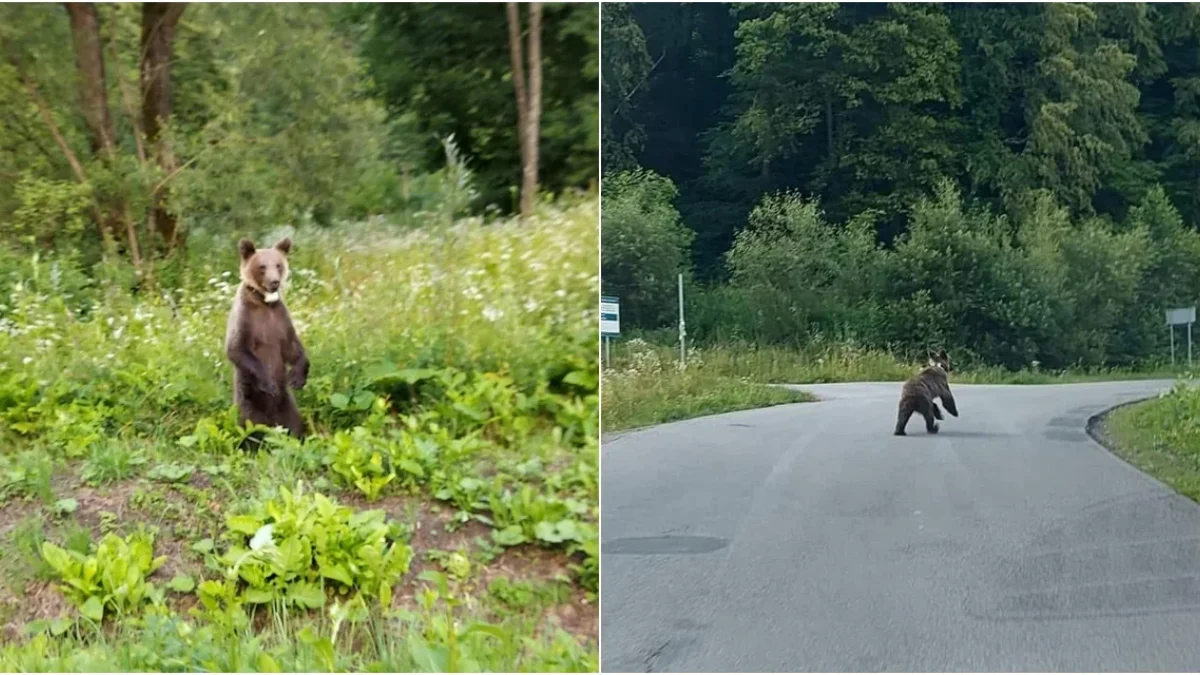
262	343
920	390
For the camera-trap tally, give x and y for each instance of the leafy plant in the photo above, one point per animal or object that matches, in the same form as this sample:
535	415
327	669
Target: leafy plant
307	541
110	579
362	461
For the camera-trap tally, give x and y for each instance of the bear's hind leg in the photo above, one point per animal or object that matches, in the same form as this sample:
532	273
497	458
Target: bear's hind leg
926	408
906	411
292	421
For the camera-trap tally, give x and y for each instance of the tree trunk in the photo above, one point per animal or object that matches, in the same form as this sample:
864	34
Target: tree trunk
93	100
829	128
518	77
533	116
89	60
159	20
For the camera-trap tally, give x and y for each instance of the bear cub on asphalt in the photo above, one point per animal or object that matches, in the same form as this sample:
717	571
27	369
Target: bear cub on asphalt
261	342
920	390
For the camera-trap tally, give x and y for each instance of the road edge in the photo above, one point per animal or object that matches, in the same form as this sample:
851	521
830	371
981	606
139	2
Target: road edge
607	437
1093	426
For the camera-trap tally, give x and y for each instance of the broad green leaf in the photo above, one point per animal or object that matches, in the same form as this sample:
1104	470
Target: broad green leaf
93	609
337	572
411	467
363	400
182	583
546	531
259	596
306	595
56	557
247	525
509	536
266	664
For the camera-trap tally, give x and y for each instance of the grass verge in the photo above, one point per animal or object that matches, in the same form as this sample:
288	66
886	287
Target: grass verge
671	396
1160	436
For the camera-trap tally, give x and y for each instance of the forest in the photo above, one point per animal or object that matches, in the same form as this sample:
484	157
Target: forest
145	122
434	166
1017	182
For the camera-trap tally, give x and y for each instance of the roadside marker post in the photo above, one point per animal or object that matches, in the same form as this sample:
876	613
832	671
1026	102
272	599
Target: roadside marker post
1179	317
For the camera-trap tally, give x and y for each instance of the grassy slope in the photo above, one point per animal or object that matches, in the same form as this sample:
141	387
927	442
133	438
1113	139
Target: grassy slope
644	386
120	421
1161	437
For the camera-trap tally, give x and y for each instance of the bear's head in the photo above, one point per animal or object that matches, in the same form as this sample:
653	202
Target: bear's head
940	359
265	269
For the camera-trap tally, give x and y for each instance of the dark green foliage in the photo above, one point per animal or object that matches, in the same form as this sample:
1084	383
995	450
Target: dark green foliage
445	68
645	246
1015	182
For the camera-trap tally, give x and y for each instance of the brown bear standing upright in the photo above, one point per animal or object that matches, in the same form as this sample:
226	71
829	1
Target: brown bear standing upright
920	390
261	342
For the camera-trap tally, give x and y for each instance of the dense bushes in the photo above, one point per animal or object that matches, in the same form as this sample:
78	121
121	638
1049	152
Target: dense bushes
645	245
1009	289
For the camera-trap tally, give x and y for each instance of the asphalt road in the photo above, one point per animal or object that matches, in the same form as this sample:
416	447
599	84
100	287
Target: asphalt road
808	538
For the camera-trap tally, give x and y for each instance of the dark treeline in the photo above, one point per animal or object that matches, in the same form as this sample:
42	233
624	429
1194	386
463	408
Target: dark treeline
1017	181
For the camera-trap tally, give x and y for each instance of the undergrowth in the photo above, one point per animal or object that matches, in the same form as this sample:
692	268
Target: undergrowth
453	392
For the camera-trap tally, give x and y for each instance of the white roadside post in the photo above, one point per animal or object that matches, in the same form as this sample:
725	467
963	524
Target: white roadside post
682	329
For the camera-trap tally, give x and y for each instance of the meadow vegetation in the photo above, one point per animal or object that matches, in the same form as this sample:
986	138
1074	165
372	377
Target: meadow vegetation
442	516
1160	436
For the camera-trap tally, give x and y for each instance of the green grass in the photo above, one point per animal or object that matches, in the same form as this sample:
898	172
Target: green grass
644	384
631	402
1161	436
453	391
647	387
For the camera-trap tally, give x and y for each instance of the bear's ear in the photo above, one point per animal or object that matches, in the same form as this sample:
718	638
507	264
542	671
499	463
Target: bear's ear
284	245
246	248
943	356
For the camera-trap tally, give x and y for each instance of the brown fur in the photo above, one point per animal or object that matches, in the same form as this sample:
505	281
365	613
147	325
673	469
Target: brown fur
920	390
261	342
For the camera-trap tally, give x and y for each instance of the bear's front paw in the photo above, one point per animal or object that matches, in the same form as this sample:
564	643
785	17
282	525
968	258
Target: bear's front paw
269	388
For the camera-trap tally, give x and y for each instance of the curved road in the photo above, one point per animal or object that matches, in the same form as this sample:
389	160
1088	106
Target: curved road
808	538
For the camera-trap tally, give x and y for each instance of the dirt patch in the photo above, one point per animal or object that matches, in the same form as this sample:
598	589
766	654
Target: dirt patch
579	616
14	511
94	503
428	520
41	600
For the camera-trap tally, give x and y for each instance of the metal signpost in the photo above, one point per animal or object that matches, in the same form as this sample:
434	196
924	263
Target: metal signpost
1179	317
682	329
610	323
